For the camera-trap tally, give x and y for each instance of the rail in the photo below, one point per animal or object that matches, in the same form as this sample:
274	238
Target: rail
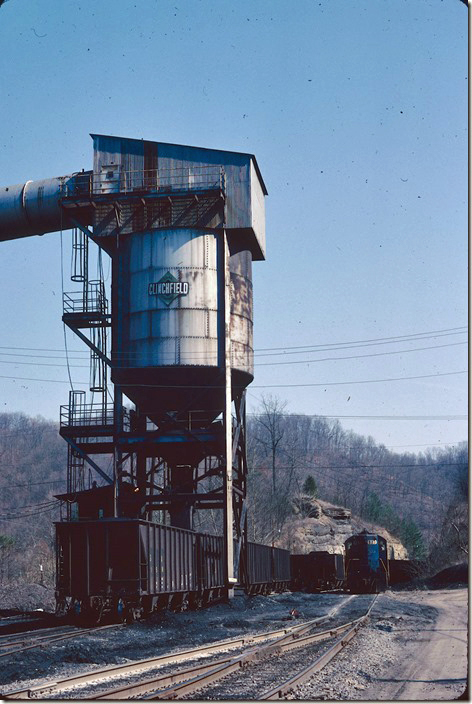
92	300
282	690
93	414
138	666
40	641
113	179
178	684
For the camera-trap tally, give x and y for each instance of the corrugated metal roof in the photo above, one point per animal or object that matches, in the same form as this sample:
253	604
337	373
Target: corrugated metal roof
188	146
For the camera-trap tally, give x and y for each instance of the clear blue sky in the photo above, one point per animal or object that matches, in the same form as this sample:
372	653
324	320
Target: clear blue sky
357	114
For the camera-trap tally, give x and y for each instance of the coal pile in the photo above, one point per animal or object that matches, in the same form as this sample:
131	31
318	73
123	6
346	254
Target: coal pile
457	575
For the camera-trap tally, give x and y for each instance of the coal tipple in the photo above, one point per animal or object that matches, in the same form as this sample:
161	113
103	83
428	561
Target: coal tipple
171	356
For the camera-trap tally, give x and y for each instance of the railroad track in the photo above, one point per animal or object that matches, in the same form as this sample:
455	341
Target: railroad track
251	683
10	625
195	675
188	681
281	690
184	683
14	636
17	643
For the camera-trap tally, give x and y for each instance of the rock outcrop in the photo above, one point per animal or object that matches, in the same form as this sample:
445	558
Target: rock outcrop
319	525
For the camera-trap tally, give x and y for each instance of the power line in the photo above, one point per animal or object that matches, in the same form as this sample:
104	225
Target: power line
27	432
349	481
258	386
40	349
359	356
320	347
45	364
257	364
43	504
457	416
20	486
431	444
398	338
46	356
6	517
362	381
384	417
340	347
435	465
49	381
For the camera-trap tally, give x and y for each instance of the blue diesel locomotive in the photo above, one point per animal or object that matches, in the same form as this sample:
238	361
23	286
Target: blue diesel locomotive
366	563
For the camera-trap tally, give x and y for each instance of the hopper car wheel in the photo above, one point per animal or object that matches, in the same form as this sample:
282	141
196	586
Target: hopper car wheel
130	616
195	602
121	611
81	615
177	602
148	606
61	608
91	617
133	614
75	613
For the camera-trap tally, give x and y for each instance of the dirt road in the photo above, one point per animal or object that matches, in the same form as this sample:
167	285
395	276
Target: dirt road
433	665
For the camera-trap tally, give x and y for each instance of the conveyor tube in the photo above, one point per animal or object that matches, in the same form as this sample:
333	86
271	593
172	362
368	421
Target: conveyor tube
35	207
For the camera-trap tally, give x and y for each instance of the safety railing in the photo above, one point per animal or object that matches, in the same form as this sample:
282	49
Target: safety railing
91	300
112	179
77	413
93	414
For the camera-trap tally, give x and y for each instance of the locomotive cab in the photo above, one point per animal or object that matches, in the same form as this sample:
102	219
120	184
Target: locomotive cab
366	563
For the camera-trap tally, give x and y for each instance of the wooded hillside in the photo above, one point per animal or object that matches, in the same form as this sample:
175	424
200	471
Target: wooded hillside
420	498
33	461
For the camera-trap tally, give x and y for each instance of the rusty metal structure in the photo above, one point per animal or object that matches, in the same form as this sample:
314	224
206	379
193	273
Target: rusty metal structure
171	351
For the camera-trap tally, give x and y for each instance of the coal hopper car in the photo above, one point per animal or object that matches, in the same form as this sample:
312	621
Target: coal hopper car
117	569
120	568
266	569
112	569
317	571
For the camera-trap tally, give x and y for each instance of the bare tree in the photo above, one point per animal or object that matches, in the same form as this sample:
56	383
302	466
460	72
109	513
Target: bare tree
270	422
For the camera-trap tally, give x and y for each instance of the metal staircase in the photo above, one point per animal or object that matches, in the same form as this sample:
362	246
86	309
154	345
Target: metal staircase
87	427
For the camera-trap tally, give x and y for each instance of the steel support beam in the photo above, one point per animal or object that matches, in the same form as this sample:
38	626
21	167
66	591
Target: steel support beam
224	315
118	455
85	339
89	461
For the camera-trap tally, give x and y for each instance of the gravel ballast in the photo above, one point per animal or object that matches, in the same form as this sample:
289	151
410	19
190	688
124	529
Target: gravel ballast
394	621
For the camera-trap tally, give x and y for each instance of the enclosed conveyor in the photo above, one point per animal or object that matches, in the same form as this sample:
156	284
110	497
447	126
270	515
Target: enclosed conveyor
36	207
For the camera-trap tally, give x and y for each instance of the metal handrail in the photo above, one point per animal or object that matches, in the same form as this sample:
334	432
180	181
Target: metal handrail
94	302
113	179
86	414
92	414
